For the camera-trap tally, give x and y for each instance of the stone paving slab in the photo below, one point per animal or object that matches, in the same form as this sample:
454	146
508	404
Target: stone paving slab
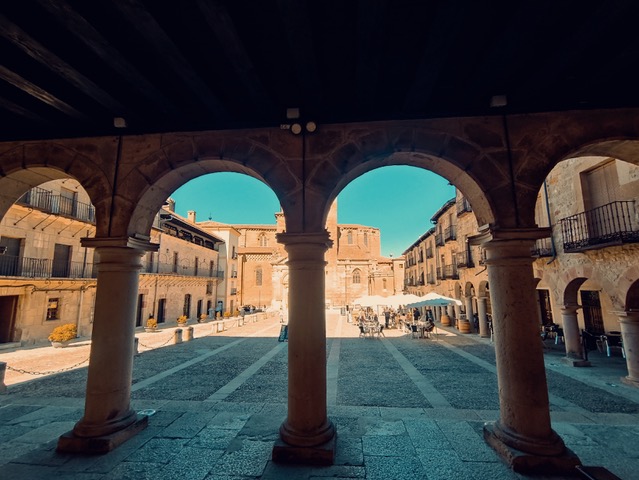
387	426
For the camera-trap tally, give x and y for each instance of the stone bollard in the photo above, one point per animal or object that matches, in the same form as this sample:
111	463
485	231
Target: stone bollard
136	343
3	369
177	336
220	326
188	334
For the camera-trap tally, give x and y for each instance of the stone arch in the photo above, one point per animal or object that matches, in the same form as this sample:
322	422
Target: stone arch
361	150
632	297
483	290
571	280
26	165
570	291
458	291
181	158
469	290
629	287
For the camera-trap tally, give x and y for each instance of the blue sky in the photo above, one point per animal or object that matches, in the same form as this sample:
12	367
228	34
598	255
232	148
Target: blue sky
398	200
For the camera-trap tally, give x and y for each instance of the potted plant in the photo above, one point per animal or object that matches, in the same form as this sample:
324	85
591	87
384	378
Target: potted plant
202	318
151	324
182	320
62	335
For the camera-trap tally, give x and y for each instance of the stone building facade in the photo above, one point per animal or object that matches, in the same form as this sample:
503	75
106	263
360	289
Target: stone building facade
354	265
47	278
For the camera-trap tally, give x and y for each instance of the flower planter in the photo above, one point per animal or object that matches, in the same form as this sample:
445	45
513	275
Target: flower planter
150	329
60	344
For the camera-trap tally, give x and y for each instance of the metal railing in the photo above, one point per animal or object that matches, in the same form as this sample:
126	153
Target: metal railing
429	252
440	273
450	271
430	278
182	270
611	224
439	239
543	248
12	266
450	233
464	260
463	205
56	204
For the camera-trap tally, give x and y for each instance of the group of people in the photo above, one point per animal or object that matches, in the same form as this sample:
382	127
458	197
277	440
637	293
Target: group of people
392	318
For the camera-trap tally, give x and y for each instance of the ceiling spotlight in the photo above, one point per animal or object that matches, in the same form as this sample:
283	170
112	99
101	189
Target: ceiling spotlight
119	122
296	128
292	113
498	101
311	127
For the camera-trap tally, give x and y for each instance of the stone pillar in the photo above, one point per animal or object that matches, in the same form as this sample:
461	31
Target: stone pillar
572	338
3	369
108	417
629	322
307	435
466	326
484	332
523	435
450	310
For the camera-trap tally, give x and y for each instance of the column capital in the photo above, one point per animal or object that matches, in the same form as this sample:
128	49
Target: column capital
488	233
570	309
629	316
144	245
319	238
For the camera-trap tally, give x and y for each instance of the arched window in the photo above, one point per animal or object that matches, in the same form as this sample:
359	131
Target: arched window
384	284
357	277
263	240
365	238
258	276
186	310
349	236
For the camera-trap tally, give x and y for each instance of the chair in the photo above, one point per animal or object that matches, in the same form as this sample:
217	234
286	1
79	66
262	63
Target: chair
380	332
362	332
613	340
414	331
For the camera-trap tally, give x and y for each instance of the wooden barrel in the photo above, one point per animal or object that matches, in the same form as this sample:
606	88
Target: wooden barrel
445	319
464	326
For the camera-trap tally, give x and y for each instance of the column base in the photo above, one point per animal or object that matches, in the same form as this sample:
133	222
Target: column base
576	362
524	462
323	454
630	381
70	443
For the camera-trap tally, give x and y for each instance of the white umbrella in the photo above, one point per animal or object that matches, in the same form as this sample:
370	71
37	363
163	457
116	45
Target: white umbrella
369	300
434	300
400	299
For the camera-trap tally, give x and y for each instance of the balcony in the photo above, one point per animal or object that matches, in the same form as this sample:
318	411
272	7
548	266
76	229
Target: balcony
182	270
611	224
440	273
464	260
234	274
450	233
48	202
11	266
543	248
430	278
439	240
450	272
429	252
463	206
233	291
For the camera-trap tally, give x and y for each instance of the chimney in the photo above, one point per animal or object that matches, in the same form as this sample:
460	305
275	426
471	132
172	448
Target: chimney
191	216
170	204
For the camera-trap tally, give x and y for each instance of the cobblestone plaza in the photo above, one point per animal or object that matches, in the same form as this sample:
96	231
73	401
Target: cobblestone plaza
403	407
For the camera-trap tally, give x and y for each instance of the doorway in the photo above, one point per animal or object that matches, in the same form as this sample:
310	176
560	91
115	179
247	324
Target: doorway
593	318
8	306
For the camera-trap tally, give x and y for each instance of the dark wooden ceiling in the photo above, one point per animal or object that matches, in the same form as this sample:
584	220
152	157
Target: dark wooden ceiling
68	67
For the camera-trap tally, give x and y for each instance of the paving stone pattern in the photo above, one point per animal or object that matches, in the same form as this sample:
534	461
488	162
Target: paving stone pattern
404	408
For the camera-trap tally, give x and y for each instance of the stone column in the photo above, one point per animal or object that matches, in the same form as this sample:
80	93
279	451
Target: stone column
523	435
466	326
629	322
572	339
307	435
108	417
484	332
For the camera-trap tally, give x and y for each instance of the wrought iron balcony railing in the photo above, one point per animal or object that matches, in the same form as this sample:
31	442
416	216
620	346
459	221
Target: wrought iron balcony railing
184	270
543	248
440	273
450	233
49	202
430	278
439	240
464	260
12	266
450	271
429	252
612	224
463	205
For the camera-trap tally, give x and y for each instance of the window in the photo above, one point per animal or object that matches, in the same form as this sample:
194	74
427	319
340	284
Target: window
175	262
384	284
209	288
357	276
187	305
258	276
263	240
53	309
197	266
349	237
365	238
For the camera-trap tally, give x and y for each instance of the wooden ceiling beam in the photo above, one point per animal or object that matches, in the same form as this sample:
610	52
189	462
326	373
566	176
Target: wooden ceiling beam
45	57
78	26
39	93
222	26
370	18
159	42
21	111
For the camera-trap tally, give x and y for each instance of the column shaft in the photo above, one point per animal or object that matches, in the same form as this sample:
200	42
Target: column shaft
307	424
629	322
483	319
574	349
524	421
